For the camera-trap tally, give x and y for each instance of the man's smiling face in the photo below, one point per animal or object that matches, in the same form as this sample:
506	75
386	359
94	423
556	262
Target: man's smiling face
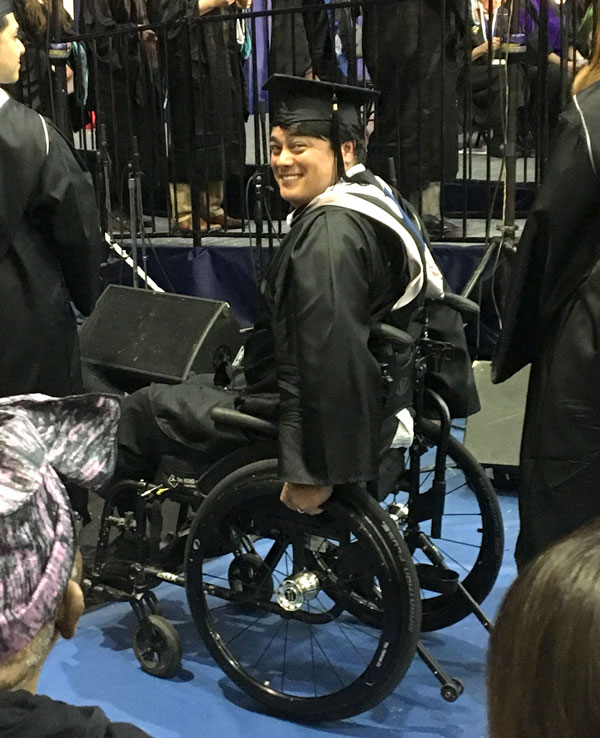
303	166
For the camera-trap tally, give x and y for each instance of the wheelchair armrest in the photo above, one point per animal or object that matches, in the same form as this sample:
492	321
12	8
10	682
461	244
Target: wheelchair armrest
392	335
243	421
468	309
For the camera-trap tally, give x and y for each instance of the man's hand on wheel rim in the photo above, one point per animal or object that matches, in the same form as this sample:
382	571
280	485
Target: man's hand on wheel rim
305	498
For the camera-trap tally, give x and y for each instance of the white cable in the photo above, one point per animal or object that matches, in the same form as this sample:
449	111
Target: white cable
129	261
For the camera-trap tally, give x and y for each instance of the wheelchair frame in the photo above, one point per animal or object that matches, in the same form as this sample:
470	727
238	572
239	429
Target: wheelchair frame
156	643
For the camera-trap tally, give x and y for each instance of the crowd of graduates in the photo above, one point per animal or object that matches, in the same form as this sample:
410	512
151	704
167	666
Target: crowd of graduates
179	91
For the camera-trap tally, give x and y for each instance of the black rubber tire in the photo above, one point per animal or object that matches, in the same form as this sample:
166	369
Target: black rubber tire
252	492
443	610
157	647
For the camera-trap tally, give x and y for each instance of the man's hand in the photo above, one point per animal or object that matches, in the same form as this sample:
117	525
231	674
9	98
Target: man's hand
305	498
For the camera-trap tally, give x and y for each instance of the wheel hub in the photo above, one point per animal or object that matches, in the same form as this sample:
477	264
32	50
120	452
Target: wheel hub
398	512
293	592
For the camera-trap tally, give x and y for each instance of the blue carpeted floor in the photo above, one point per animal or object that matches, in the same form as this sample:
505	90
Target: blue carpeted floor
98	667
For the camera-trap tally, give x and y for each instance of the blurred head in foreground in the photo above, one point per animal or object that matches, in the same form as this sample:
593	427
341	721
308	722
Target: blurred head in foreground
544	660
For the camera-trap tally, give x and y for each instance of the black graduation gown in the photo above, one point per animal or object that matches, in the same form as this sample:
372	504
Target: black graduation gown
305	40
335	274
125	92
49	253
206	92
552	321
35	85
486	84
328	284
289	48
25	715
417	77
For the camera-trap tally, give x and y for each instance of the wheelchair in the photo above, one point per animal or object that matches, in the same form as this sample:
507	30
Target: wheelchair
317	618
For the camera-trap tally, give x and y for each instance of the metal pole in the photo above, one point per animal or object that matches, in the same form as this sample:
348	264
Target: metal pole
131	186
508	228
510	150
595	39
58	54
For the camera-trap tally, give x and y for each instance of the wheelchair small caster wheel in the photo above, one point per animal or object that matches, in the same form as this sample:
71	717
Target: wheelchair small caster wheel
157	647
452	690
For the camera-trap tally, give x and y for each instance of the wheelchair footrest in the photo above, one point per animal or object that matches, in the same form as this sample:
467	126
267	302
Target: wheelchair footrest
437	578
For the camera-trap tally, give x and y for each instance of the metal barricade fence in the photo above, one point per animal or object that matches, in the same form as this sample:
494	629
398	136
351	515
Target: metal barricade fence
174	102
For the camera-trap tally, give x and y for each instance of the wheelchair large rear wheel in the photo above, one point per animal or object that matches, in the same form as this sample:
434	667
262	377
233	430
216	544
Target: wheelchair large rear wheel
472	540
270	606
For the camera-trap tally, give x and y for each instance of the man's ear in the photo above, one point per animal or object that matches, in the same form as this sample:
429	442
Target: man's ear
348	154
70	610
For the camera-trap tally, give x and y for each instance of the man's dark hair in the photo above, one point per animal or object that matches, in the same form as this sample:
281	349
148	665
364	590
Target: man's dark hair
3	22
322	129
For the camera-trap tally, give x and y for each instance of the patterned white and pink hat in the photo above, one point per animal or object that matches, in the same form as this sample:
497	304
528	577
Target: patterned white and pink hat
40	438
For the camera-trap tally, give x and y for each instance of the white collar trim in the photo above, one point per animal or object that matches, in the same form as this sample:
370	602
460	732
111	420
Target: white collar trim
4	96
349	195
356	169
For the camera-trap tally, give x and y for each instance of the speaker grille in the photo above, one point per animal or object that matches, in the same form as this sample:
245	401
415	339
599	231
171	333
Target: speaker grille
158	335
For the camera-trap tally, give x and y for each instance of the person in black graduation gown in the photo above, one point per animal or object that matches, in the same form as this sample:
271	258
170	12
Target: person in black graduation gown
207	105
49	243
552	321
317	42
487	80
410	48
125	93
350	257
35	86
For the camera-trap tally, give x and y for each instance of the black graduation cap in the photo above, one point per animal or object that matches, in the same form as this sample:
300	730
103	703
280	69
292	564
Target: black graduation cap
299	100
6	7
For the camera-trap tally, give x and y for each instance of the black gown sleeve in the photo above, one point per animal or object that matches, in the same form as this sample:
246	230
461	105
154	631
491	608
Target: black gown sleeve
165	11
23	713
556	249
66	210
97	16
329	382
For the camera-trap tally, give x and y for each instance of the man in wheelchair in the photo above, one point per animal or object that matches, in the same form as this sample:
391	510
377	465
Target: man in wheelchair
354	256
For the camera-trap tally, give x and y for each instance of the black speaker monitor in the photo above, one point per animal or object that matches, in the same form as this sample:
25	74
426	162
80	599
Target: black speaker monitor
135	337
